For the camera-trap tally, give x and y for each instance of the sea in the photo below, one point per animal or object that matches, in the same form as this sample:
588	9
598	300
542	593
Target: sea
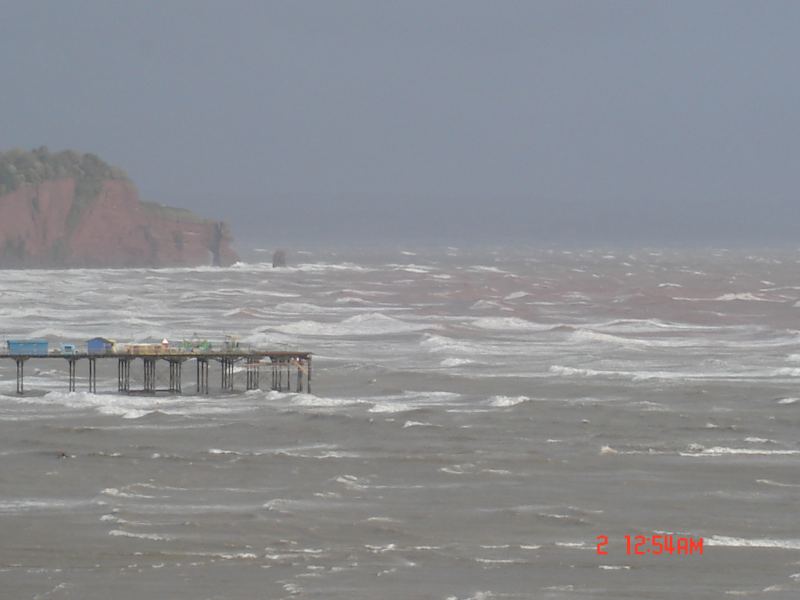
494	423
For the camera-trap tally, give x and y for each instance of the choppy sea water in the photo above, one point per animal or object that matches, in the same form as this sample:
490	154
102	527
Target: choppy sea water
477	420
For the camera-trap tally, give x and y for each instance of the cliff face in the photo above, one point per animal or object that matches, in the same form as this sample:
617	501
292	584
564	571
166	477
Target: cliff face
44	225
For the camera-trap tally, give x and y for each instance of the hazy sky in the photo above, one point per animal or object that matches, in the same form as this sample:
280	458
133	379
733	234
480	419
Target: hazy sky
613	122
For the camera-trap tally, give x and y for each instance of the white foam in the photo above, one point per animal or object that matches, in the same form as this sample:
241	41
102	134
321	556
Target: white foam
777	483
367	324
488	305
390	407
487	269
302	308
508	324
787	372
487	595
142	536
724	451
322	267
352	300
516	295
747	296
39	504
351	481
323	402
455	362
587	335
120	494
440	343
412	268
734	542
418	424
581	545
575	371
507	401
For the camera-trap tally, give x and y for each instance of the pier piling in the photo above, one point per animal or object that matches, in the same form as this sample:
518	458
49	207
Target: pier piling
72	368
299	376
92	376
227	374
202	376
281	362
124	375
150	375
175	367
252	373
20	375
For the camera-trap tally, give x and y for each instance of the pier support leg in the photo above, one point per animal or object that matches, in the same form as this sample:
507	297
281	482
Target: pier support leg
299	376
72	368
227	374
92	375
20	375
202	376
252	374
150	375
175	367
124	375
308	376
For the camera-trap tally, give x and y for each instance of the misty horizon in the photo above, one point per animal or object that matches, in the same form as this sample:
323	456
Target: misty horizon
549	122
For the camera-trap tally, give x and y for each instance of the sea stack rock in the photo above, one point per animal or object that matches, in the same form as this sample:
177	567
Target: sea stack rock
279	259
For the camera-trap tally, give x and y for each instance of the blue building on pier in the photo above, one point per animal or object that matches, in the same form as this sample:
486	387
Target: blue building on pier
27	347
100	345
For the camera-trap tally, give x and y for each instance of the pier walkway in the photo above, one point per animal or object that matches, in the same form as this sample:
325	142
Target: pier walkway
286	367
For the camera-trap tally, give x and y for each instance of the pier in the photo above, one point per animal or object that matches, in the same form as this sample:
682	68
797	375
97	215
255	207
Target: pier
287	368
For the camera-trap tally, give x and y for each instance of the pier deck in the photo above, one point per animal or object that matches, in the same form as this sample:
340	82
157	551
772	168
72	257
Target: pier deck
285	365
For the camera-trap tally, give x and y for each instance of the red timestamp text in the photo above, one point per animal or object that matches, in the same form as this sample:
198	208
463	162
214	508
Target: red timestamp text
655	545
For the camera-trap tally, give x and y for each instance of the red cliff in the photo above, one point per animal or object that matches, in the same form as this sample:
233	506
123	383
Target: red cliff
43	225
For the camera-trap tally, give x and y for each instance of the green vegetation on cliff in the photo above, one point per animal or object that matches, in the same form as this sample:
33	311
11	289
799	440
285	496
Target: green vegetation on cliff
20	167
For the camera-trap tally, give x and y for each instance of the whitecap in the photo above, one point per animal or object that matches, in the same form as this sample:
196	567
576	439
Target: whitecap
367	324
142	536
508	324
516	295
724	451
507	401
734	542
777	483
455	362
323	402
390	407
